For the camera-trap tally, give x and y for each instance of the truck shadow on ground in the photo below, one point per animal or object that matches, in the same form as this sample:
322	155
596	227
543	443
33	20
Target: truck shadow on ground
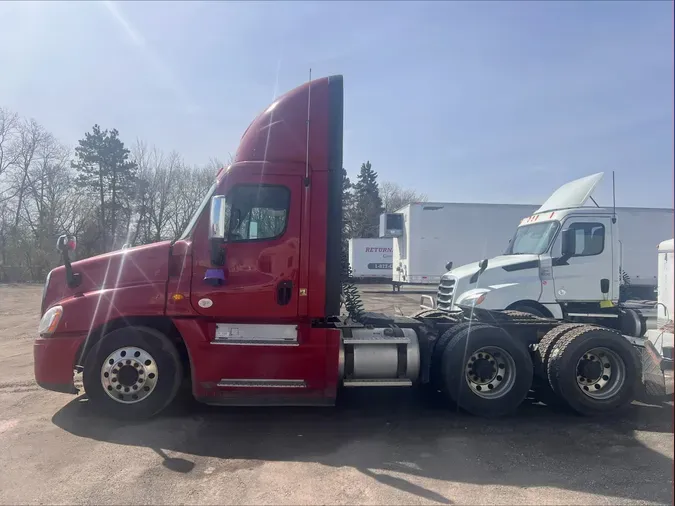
379	433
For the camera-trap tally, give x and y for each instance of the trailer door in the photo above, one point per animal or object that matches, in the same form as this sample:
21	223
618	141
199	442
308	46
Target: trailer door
578	277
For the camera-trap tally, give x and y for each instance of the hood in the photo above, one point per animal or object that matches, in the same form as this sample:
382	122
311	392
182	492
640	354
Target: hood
146	264
572	194
501	263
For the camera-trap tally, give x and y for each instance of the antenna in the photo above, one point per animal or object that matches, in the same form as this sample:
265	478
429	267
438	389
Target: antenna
309	106
613	199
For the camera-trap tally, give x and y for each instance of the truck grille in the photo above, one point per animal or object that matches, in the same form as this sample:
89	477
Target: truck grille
446	293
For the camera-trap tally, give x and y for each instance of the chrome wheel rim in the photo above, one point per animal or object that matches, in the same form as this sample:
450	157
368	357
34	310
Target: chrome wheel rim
601	373
129	375
490	372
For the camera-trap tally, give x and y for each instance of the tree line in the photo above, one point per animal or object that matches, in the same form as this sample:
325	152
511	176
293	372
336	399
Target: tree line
364	201
108	195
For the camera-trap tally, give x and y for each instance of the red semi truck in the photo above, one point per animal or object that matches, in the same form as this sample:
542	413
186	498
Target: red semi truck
246	304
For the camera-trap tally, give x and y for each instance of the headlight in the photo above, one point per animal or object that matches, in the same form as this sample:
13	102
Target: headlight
475	299
50	321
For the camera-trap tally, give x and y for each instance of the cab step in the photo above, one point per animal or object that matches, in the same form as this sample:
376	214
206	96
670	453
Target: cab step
396	382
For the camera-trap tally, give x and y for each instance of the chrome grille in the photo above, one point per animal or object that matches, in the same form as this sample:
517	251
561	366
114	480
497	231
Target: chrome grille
446	293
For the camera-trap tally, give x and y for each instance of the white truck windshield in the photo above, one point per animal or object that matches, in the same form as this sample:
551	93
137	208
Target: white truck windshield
532	239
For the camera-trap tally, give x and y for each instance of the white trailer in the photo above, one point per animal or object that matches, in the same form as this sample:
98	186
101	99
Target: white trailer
371	258
435	233
662	335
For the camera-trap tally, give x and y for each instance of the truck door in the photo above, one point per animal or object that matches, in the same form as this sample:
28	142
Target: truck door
262	255
577	276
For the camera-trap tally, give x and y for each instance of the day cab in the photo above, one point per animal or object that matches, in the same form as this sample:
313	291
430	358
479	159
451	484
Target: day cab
563	262
254	323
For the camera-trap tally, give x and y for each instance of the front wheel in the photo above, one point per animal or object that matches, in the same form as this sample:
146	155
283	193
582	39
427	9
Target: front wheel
132	372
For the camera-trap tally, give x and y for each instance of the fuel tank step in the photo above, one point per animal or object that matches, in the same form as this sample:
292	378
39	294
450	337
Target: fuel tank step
402	382
376	339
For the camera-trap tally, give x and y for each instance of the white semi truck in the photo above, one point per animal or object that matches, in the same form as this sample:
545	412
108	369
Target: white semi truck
564	261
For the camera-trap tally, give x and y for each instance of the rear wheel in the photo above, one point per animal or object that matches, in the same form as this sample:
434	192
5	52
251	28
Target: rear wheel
594	370
442	342
486	371
133	372
541	386
631	323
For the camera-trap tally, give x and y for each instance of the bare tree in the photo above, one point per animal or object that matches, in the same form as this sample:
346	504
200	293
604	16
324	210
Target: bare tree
394	197
47	189
186	195
31	136
9	131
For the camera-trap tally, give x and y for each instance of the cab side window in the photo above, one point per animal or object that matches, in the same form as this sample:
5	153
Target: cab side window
258	212
589	238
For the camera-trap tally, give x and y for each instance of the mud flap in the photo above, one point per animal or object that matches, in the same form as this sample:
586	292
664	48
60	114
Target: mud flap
653	378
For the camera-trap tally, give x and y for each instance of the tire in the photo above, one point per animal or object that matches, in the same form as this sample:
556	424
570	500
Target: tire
145	392
541	386
545	346
526	308
631	323
435	375
609	392
500	352
428	313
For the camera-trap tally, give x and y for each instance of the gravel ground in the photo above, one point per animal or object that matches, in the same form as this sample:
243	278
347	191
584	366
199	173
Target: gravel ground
382	447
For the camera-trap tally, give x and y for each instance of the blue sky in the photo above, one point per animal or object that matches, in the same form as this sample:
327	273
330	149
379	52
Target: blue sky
468	102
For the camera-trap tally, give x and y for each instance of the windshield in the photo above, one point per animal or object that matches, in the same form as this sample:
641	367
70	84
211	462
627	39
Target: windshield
532	239
198	213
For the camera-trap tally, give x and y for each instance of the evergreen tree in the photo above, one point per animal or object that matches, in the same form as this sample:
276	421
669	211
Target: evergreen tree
367	203
104	168
347	208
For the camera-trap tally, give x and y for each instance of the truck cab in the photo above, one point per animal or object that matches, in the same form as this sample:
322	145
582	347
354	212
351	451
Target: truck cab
564	262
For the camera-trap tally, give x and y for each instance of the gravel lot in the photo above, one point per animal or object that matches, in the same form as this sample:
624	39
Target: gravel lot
382	447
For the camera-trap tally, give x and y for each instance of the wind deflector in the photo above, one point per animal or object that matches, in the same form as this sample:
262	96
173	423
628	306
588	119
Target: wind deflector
572	194
334	215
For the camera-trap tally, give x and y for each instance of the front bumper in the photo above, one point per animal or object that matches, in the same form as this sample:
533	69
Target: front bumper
55	359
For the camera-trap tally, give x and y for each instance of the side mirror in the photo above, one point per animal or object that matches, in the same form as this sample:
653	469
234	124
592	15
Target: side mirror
568	245
448	266
66	243
217	229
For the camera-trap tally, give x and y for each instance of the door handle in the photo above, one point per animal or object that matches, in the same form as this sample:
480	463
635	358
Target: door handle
284	292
